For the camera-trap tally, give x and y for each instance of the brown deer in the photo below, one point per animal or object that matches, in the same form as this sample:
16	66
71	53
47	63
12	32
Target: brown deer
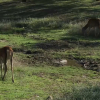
92	23
5	54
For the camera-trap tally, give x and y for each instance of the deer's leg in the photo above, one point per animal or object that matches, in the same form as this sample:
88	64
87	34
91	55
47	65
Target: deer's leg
83	31
12	69
89	30
97	31
5	71
1	69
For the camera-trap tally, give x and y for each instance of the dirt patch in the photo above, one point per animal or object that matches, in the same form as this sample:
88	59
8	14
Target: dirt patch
53	44
47	53
2	40
90	65
91	44
18	50
45	58
38	51
87	64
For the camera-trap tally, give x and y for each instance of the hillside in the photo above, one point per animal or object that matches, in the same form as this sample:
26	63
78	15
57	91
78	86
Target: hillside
43	34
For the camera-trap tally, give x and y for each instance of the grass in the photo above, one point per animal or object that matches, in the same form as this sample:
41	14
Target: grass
27	81
82	93
41	32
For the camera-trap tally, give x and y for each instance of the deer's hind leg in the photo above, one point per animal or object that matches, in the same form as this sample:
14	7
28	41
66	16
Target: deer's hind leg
97	31
5	71
12	69
1	69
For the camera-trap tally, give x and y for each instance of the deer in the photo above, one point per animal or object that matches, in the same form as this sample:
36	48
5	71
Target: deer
92	23
5	54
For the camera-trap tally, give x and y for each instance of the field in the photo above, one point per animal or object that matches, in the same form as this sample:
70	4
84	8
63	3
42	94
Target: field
42	33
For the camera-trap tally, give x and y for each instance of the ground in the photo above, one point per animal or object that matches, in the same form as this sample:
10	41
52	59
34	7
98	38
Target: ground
42	34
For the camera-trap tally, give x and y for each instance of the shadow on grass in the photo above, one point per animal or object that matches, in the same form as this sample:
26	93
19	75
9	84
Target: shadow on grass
80	40
44	8
88	93
53	44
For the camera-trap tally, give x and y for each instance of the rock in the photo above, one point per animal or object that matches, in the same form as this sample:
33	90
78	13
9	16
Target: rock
49	98
63	61
60	62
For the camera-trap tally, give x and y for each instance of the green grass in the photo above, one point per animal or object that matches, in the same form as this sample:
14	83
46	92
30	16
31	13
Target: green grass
37	82
83	93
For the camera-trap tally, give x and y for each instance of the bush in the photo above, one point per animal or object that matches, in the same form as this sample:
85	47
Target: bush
87	93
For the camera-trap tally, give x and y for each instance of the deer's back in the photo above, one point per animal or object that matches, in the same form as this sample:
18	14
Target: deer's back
93	22
6	52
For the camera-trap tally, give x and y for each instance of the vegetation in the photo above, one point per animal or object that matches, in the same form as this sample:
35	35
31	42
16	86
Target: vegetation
42	32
